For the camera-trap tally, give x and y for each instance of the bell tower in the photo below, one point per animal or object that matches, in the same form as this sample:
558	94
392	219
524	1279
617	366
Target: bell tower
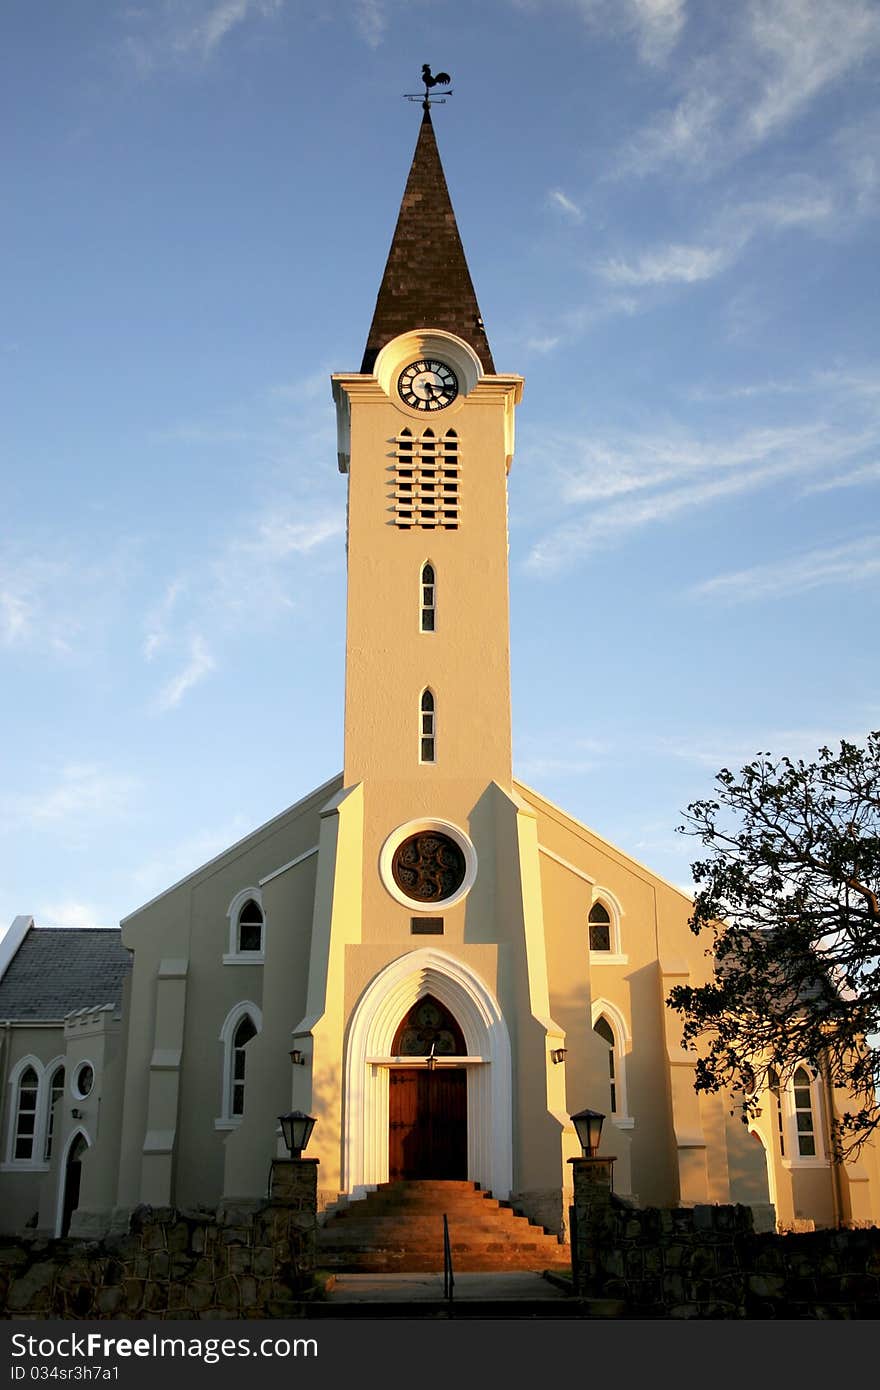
425	435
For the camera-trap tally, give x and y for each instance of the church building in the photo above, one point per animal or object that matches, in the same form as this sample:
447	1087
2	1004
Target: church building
423	953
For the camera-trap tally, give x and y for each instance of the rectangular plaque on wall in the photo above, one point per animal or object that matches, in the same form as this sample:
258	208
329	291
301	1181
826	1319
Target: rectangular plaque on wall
427	926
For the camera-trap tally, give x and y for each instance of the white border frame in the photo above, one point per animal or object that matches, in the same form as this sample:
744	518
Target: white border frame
385	1001
622	1042
795	1158
226	1119
73	1083
33	1164
608	900
234	956
413	827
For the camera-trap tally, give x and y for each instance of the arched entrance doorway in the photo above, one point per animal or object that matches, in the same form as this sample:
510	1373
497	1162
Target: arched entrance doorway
371	1060
427	1104
72	1179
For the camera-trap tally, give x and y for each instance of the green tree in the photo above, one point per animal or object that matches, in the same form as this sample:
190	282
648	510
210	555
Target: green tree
790	894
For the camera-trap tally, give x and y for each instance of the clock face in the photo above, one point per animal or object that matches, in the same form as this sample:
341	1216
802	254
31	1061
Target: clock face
427	385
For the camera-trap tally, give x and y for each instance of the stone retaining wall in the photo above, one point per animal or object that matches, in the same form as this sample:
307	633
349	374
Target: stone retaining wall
708	1262
174	1264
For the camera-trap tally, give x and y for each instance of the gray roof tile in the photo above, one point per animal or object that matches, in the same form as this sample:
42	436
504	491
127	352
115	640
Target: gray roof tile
58	969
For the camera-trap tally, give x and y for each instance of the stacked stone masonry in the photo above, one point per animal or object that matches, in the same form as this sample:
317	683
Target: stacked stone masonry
708	1262
175	1264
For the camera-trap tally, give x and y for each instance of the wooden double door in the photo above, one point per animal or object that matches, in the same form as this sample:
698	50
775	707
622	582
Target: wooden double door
427	1111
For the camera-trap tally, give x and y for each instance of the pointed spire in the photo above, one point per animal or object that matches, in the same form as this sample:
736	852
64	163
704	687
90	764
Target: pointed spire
427	283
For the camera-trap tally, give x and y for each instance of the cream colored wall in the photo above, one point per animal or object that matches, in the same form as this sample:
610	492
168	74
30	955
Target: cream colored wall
465	660
190	923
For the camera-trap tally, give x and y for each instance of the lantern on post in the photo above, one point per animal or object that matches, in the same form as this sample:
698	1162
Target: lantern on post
588	1127
296	1127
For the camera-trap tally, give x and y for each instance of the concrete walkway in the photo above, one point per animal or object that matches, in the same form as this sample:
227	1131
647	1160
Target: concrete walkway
428	1288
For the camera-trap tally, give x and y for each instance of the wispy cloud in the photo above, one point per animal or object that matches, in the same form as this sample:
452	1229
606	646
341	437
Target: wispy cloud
371	17
614	487
199	664
854	562
655	26
800	202
561	202
180	31
772	61
80	791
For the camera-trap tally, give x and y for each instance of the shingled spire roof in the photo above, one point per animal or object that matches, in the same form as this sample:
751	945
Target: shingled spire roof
427	283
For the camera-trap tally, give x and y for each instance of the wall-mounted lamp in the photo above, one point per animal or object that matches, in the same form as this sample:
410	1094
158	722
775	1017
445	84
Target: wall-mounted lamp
77	1114
297	1058
558	1053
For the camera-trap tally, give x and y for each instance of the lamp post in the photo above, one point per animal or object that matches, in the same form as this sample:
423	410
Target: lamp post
592	1203
588	1127
296	1128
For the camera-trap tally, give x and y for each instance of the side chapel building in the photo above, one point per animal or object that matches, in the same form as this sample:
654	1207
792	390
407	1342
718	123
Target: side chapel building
423	903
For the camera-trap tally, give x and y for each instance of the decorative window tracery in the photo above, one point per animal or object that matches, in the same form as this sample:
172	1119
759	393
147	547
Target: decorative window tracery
428	1029
425	481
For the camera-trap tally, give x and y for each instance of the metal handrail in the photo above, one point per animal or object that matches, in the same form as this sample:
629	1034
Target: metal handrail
448	1277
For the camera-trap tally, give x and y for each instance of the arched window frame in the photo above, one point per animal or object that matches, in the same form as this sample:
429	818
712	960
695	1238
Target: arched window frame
34	1162
52	1122
235	955
427	727
246	1008
614	956
603	1008
796	1159
428	597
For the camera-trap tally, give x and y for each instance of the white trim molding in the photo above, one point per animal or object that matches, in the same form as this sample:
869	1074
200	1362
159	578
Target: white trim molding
78	1132
611	903
413	827
616	1020
385	1001
244	1008
235	955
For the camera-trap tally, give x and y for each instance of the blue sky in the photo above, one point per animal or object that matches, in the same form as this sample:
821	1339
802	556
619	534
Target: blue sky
670	213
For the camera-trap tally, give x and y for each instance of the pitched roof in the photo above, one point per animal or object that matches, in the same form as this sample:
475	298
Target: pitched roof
58	969
427	283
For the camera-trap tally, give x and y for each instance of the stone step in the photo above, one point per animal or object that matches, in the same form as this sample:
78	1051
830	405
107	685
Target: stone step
397	1228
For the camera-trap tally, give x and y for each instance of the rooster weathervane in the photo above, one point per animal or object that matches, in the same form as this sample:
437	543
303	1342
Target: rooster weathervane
431	80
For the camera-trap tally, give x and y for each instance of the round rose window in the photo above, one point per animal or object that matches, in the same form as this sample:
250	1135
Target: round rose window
428	867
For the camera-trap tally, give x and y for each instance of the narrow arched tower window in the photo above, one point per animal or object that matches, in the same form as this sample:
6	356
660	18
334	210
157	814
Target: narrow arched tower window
603	1028
242	1036
428	595
427	728
26	1114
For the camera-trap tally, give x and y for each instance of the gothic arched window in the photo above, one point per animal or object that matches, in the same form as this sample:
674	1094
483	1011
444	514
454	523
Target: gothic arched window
606	1033
427	728
600	928
242	1024
250	927
802	1091
56	1091
428	599
26	1114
